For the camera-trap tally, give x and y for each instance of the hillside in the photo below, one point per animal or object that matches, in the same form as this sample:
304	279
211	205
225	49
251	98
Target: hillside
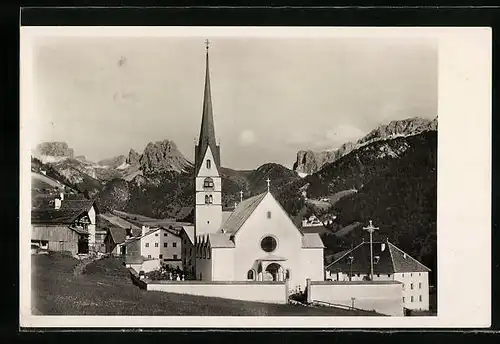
308	161
396	183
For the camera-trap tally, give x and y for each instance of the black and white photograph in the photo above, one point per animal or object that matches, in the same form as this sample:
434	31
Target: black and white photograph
223	173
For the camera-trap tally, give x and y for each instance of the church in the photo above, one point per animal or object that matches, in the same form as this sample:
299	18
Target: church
257	241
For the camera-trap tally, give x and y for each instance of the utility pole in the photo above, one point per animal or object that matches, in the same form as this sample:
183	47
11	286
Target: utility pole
370	230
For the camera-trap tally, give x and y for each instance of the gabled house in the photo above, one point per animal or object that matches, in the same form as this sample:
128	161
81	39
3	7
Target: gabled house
389	263
60	230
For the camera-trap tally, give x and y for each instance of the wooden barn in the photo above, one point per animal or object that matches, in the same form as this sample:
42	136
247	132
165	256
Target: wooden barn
60	230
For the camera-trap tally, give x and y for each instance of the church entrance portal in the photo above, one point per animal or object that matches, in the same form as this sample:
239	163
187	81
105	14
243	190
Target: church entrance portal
276	271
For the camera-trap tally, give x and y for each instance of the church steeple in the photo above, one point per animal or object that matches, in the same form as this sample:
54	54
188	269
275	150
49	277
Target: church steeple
207	130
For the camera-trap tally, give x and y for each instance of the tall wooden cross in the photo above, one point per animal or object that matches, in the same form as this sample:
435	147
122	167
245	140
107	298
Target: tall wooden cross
370	230
268	183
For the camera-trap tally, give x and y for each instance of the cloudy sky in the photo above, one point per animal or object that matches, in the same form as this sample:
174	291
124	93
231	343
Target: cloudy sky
271	97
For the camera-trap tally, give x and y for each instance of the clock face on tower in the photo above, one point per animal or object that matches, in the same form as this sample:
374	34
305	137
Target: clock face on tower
268	244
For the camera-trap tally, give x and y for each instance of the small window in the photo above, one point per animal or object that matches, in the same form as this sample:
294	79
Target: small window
165	244
378	275
211	199
161	256
419	274
208	183
420	285
287	274
420	298
411	275
209	164
156	244
165	234
411	299
175	256
403	275
411	286
156	234
388	275
147	244
149	256
207	199
174	244
403	286
268	214
250	275
359	275
403	299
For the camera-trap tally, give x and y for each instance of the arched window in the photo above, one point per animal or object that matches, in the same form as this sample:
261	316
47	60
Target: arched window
207	199
250	275
211	199
287	274
208	183
209	164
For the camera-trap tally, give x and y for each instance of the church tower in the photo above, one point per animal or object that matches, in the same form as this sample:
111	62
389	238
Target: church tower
208	186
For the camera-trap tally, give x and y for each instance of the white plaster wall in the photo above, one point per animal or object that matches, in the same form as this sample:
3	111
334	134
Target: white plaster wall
289	239
208	218
312	264
204	171
269	293
152	250
407	279
91	227
383	298
223	264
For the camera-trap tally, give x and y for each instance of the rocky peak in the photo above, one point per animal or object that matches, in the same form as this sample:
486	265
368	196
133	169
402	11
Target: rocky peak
162	156
113	162
55	149
133	157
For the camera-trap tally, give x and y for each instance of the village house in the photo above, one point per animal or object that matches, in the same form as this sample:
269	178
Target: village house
161	245
63	230
389	264
188	251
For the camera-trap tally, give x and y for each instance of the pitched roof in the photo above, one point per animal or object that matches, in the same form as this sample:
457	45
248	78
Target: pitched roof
55	216
119	222
225	216
119	235
84	204
242	213
189	232
207	130
220	240
391	259
315	229
403	262
312	240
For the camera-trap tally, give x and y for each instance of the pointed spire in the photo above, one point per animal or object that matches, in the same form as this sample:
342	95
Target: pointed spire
207	130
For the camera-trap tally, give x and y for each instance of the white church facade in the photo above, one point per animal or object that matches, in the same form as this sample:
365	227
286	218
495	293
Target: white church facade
258	241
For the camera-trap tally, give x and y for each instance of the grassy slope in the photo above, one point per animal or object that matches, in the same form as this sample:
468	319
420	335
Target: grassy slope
106	289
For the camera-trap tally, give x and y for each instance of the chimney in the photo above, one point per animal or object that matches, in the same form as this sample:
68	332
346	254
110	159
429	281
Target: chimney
129	233
57	203
144	230
61	196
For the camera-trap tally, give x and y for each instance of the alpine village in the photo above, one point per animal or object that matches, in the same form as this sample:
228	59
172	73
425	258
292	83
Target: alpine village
350	231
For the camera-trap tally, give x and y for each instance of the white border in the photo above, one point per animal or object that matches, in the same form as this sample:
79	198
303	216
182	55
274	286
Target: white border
464	178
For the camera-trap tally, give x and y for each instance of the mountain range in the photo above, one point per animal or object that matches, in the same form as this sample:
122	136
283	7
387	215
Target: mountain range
388	176
308	161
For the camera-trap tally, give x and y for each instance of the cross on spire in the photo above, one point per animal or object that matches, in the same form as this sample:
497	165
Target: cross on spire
268	181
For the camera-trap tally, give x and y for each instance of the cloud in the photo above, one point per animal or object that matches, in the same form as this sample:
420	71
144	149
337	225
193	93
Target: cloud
247	137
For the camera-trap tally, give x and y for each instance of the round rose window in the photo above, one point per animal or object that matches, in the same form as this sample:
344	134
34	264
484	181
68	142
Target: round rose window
268	244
